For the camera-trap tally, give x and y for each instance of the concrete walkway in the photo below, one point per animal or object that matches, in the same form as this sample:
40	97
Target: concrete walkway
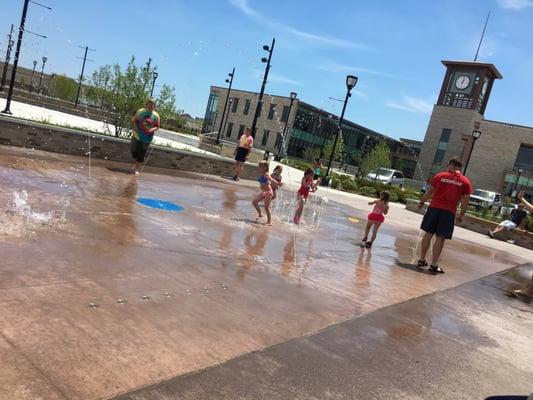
469	342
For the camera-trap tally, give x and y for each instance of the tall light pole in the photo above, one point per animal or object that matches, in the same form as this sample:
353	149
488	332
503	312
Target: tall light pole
10	44
520	170
230	81
293	96
259	106
154	78
82	71
42	72
351	81
475	136
147	71
32	74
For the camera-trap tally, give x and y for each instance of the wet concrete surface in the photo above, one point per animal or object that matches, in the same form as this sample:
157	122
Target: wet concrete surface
173	293
468	342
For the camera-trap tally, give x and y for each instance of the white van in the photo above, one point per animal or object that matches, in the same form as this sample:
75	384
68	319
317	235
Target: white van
386	175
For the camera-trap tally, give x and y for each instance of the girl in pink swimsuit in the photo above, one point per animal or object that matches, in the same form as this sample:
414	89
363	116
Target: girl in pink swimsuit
308	185
376	217
266	192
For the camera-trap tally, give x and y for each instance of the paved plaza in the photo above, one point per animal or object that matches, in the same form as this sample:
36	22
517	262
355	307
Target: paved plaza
101	296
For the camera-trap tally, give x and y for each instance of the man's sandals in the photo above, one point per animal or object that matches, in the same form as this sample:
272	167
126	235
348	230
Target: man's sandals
432	268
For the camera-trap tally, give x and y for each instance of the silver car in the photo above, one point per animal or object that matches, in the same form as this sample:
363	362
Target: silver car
387	176
485	199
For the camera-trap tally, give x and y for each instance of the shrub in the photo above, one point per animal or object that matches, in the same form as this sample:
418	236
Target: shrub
349	186
335	182
367	191
393	197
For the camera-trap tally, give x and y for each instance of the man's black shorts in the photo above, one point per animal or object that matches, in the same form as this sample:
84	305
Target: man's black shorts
138	150
439	222
242	154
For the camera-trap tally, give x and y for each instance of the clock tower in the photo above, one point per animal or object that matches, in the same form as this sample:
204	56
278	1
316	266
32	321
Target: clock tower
459	109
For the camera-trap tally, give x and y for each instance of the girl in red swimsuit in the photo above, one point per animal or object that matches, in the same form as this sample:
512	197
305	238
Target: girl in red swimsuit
376	217
308	185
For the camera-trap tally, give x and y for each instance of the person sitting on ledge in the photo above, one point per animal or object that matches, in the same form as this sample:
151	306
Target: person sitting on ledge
517	219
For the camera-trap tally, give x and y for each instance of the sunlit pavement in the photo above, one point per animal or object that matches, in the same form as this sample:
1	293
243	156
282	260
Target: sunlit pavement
101	295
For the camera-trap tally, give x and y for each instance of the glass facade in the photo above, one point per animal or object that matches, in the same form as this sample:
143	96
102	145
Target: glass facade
524	158
210	112
264	140
246	107
272	111
234	104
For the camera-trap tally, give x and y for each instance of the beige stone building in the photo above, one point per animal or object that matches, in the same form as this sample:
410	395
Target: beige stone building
502	157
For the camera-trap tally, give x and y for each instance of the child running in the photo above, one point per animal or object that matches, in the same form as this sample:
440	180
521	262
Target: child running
376	217
317	169
308	185
276	180
266	193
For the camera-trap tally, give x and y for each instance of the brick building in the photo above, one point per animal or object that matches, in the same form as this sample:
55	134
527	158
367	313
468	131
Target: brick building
502	157
298	128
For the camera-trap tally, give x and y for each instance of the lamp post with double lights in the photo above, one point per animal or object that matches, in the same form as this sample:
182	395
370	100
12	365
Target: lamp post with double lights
259	106
42	72
10	44
32	74
475	136
293	96
520	170
230	82
351	81
17	53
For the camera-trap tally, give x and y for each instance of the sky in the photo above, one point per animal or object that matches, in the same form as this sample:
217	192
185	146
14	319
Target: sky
394	47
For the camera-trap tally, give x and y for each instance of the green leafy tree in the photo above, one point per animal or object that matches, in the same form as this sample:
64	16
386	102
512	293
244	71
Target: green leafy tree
378	157
63	87
98	93
166	103
339	149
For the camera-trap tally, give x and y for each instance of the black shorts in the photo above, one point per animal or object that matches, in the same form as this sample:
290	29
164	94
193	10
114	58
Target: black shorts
439	222
138	150
242	154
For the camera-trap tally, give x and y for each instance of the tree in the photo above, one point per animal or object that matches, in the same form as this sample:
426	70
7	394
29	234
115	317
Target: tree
166	103
63	87
311	153
378	157
121	93
339	150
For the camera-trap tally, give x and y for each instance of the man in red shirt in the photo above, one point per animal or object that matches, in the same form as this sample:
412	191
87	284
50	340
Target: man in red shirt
447	190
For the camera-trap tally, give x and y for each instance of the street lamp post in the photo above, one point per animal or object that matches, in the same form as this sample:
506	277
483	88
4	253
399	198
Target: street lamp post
259	106
475	136
32	74
520	170
154	78
230	82
82	71
42	72
10	44
351	81
283	135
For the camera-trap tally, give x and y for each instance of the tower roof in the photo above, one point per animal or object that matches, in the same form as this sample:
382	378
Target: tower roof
491	67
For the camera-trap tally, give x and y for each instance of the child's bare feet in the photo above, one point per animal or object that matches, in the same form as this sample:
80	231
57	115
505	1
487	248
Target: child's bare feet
259	217
268	223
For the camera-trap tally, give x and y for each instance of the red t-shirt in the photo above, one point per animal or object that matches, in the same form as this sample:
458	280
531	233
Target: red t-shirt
449	187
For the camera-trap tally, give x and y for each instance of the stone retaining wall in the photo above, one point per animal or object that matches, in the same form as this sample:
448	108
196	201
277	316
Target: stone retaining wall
523	239
21	133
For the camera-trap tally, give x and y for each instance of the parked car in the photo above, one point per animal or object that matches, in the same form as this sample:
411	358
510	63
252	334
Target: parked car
486	199
386	175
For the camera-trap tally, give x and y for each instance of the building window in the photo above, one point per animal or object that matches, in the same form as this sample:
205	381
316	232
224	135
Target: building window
230	128
285	114
235	104
445	135
265	137
279	140
241	130
524	158
272	111
246	107
439	156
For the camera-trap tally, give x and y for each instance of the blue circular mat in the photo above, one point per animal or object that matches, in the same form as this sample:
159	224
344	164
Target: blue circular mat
160	204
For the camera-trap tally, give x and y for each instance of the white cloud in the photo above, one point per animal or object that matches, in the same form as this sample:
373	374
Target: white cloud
281	79
245	7
334	67
412	104
515	4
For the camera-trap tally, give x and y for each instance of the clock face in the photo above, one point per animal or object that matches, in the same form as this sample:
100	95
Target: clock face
462	82
484	87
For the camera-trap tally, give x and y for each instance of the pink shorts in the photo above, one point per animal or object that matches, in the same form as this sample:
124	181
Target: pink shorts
376	217
263	194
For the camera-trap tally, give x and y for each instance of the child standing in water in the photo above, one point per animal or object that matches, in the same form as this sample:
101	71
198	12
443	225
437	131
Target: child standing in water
276	180
308	185
376	217
266	193
317	169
